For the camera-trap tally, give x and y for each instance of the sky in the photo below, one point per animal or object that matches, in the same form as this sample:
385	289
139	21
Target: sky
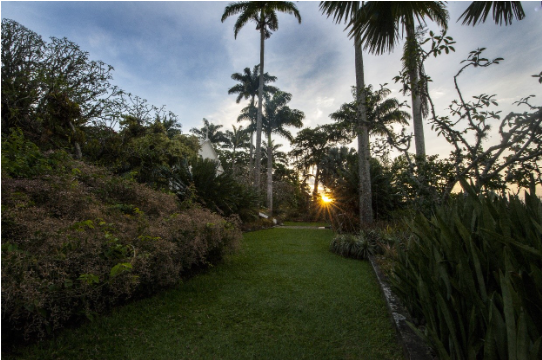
179	54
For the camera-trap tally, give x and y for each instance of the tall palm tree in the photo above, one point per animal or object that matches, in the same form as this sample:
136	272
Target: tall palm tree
350	11
277	116
263	13
249	83
503	11
378	26
247	87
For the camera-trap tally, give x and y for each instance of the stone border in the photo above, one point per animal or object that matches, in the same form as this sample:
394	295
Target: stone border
413	346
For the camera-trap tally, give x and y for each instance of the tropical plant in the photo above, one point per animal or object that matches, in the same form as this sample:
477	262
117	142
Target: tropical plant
378	26
310	146
350	11
247	87
277	116
473	274
249	82
503	11
263	13
238	138
210	131
352	246
382	113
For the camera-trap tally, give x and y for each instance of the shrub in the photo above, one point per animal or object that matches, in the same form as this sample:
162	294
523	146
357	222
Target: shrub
473	272
352	246
22	158
75	244
197	179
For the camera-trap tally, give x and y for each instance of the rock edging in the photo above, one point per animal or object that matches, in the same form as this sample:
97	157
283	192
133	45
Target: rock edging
413	346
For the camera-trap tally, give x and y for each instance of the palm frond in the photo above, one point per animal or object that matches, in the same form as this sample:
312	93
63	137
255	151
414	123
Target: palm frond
502	11
234	9
339	10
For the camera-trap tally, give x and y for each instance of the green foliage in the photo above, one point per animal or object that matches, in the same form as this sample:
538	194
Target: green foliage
220	192
76	242
49	89
23	159
352	246
473	272
340	177
424	184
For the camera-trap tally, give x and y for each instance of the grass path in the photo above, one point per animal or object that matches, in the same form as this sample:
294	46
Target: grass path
283	296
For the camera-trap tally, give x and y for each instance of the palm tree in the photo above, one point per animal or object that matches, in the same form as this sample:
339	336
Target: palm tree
247	87
263	13
277	116
311	145
503	11
381	113
378	26
211	132
237	139
350	11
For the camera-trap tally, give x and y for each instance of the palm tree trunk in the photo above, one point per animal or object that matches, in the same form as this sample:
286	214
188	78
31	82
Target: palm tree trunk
251	152
259	118
251	158
233	163
269	175
365	193
417	118
316	180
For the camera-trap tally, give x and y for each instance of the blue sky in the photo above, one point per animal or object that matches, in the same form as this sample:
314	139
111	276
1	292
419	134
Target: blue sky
180	55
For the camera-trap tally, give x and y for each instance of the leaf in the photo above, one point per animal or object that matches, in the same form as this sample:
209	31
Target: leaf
89	279
509	315
522	337
119	269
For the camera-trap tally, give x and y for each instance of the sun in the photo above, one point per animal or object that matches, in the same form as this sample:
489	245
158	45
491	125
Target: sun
326	199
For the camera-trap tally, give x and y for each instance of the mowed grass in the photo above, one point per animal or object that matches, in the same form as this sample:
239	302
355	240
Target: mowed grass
282	296
313	224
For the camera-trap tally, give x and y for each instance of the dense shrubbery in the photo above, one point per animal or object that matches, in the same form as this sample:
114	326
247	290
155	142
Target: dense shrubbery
75	243
473	274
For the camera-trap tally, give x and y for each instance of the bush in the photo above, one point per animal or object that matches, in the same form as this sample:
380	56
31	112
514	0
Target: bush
22	158
197	180
473	273
352	246
77	243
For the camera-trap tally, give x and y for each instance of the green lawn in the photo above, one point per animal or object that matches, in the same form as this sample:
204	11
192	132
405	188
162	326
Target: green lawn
295	223
283	296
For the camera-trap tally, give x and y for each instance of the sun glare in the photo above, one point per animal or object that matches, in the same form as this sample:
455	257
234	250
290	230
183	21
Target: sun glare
326	199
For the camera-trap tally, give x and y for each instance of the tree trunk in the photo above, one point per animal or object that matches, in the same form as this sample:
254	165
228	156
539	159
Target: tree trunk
251	158
251	153
269	175
365	193
259	118
316	180
78	153
233	170
417	118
